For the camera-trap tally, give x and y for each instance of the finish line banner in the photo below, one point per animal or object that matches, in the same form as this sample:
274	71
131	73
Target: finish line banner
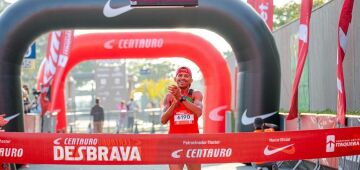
113	149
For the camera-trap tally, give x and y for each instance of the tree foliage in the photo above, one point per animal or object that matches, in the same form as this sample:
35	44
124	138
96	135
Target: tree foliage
289	12
155	91
148	69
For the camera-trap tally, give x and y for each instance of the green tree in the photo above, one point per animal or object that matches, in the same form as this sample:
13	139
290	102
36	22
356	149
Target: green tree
29	75
155	91
148	69
289	12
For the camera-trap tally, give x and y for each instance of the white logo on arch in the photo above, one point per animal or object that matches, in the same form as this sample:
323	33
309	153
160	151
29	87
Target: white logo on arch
113	12
57	141
245	120
109	44
214	114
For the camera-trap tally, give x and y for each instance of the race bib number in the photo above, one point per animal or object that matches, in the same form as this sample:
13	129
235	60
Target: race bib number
183	118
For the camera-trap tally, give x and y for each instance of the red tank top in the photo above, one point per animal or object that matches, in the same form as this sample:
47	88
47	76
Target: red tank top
183	121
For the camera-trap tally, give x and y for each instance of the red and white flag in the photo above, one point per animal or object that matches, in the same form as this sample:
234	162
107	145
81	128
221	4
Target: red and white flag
266	10
344	22
304	31
59	46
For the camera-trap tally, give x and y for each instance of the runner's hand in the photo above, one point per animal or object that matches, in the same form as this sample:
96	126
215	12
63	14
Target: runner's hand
174	90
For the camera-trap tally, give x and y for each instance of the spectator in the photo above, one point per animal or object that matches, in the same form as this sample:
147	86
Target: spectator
26	100
98	116
35	105
44	104
261	126
132	109
122	116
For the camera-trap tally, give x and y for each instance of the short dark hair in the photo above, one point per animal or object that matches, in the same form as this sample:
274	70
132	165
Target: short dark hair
258	123
97	100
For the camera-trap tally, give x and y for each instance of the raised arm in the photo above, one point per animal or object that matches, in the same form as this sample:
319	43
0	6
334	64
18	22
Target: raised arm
169	105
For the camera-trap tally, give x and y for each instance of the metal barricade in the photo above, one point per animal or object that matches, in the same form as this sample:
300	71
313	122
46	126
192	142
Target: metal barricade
32	123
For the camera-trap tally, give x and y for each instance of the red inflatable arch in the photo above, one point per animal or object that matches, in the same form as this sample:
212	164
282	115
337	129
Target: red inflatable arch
151	45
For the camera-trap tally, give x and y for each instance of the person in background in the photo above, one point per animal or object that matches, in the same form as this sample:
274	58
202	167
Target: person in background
261	126
44	104
35	105
182	108
122	116
26	100
98	116
132	108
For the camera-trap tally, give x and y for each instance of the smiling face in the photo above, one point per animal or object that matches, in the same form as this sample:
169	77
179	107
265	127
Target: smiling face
183	80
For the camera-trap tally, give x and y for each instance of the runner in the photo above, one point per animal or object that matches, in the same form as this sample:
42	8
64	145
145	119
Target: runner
261	126
183	107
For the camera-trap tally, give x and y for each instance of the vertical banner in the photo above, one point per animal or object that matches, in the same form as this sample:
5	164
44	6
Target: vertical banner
265	8
344	22
59	45
306	6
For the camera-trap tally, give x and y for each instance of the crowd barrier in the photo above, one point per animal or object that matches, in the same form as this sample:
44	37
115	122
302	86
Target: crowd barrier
351	161
56	148
310	121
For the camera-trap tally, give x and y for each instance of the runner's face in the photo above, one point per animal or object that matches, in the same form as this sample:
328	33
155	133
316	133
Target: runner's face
183	80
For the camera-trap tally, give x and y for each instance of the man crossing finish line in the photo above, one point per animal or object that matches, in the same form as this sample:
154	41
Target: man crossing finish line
183	107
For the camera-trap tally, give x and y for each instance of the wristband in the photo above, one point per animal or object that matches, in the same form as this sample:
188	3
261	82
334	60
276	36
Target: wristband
182	98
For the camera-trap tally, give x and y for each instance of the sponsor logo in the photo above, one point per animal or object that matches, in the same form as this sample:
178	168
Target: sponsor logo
175	154
279	139
50	61
113	12
245	120
97	153
57	141
58	54
12	152
88	149
214	114
134	43
332	143
268	151
12	117
203	153
5	141
77	141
